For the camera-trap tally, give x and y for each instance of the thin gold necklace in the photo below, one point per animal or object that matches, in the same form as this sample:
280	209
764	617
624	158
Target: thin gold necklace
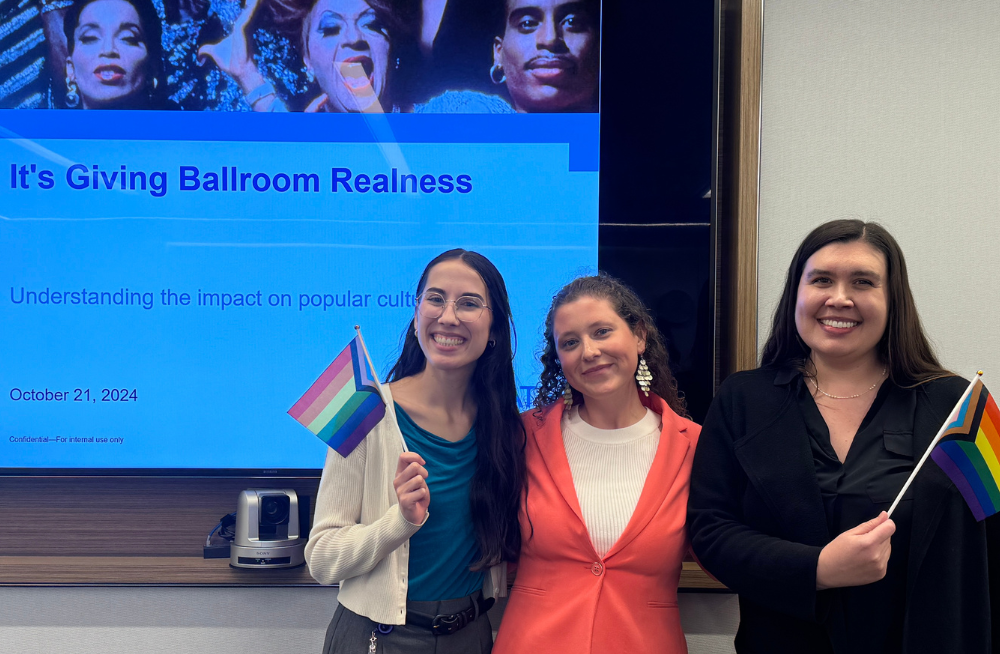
849	397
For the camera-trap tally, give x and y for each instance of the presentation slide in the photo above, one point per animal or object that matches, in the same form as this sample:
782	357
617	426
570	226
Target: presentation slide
178	267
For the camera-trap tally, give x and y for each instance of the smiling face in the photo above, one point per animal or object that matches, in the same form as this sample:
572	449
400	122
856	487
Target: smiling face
549	53
447	342
597	351
841	308
347	49
108	61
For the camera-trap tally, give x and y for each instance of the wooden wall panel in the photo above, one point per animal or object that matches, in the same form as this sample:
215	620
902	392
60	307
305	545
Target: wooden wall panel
120	516
738	182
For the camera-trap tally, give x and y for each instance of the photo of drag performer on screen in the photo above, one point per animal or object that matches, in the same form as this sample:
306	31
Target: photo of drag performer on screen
331	56
549	56
349	51
114	58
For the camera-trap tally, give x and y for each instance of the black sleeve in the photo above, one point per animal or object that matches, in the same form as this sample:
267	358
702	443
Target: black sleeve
993	558
770	571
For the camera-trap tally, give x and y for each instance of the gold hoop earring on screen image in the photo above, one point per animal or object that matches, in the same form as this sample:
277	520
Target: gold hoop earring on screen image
72	94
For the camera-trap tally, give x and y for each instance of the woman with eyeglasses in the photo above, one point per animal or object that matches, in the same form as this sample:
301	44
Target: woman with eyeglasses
419	539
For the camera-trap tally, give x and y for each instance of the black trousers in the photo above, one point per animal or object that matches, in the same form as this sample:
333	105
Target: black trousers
350	633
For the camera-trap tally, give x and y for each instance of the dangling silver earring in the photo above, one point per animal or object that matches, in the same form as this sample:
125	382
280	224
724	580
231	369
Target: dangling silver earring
309	75
493	74
567	395
643	376
397	63
72	94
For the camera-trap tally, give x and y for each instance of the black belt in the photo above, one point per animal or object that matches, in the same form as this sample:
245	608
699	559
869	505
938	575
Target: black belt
442	625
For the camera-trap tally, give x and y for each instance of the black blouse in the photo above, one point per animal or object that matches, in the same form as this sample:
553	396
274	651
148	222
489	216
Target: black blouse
877	465
758	519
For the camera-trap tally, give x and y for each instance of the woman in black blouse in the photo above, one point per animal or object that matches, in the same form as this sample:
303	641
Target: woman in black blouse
799	459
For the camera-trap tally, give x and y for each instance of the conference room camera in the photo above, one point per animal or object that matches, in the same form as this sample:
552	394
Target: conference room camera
268	531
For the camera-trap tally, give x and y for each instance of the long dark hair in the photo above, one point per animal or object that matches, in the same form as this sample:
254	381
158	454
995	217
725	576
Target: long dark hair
154	94
630	308
903	348
495	490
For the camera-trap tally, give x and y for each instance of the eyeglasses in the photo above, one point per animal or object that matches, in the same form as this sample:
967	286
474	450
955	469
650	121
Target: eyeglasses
467	308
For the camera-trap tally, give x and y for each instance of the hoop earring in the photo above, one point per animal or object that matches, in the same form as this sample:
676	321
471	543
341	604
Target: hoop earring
493	74
72	94
643	376
567	395
492	342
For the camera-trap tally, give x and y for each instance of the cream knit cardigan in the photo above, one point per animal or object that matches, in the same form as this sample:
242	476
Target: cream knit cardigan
359	537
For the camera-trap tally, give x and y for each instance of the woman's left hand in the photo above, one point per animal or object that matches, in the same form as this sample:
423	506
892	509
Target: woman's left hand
858	556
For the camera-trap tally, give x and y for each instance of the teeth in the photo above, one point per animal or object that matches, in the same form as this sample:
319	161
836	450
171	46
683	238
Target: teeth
107	74
448	340
839	324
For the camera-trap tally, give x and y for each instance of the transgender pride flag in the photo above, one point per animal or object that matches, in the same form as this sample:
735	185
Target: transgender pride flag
345	403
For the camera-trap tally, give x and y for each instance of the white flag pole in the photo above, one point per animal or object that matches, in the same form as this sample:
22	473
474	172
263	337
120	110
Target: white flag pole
934	442
388	405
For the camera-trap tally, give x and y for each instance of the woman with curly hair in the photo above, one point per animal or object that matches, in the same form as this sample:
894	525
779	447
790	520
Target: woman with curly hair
608	457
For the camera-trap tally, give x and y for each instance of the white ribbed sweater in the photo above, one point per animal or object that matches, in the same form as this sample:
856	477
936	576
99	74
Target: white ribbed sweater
359	538
609	468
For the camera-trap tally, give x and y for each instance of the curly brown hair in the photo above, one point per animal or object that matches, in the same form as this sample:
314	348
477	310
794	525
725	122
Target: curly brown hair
630	308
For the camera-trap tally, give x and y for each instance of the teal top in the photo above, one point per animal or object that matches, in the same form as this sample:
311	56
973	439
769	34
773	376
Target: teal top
444	548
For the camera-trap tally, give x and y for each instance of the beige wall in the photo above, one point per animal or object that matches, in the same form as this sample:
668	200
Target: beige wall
890	111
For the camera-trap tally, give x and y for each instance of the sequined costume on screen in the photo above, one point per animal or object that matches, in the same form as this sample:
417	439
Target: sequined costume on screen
203	87
24	54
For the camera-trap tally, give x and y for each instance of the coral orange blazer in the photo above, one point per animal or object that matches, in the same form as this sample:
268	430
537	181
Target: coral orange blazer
568	599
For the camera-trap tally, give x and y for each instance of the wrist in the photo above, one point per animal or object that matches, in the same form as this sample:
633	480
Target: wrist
249	79
822	572
263	94
416	523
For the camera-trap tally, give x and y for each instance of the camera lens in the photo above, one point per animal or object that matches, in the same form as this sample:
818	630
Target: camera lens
274	509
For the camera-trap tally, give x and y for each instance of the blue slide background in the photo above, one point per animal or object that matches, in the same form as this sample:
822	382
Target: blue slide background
214	386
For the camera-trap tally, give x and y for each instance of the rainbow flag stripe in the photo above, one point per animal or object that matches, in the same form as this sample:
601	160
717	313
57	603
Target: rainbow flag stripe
968	451
344	404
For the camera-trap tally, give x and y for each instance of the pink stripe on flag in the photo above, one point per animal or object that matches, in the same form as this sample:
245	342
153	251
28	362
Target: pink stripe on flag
346	376
320	385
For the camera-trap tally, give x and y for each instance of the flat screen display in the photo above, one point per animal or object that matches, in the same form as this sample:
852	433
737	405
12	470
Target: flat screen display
200	200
